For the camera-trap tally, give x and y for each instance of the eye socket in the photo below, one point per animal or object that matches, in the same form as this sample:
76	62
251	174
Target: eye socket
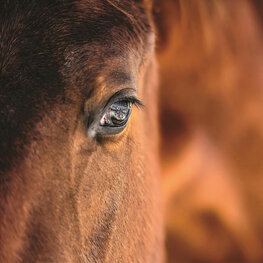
114	117
117	114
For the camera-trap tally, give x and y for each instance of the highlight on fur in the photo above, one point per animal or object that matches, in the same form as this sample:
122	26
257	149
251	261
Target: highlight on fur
210	58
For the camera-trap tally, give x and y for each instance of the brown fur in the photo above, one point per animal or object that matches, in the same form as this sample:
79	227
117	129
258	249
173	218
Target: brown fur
210	55
65	197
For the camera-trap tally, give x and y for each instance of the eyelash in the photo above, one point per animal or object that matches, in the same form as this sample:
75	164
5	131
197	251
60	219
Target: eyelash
135	101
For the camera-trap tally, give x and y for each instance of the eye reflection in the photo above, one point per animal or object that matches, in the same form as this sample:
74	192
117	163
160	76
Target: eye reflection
117	114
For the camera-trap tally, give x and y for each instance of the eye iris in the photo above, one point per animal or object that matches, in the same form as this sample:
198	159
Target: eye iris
118	114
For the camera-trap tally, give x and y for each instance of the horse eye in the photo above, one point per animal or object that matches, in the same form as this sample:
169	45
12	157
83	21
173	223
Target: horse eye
117	115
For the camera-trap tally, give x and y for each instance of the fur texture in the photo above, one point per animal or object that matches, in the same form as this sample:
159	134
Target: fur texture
65	197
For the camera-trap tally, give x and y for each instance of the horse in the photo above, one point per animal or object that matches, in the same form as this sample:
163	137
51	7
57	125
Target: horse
210	59
79	164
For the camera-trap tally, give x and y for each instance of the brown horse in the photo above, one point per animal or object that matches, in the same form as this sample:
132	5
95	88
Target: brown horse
211	64
78	162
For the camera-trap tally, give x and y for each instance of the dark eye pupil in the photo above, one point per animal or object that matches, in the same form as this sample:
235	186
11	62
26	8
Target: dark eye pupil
120	112
117	115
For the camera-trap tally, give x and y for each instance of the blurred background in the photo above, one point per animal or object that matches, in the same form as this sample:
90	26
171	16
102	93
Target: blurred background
210	55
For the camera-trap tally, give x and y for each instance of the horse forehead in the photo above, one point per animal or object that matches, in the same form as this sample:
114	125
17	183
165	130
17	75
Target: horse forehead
70	19
50	32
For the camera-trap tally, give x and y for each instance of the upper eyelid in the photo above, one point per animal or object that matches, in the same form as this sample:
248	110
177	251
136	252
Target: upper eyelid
124	94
